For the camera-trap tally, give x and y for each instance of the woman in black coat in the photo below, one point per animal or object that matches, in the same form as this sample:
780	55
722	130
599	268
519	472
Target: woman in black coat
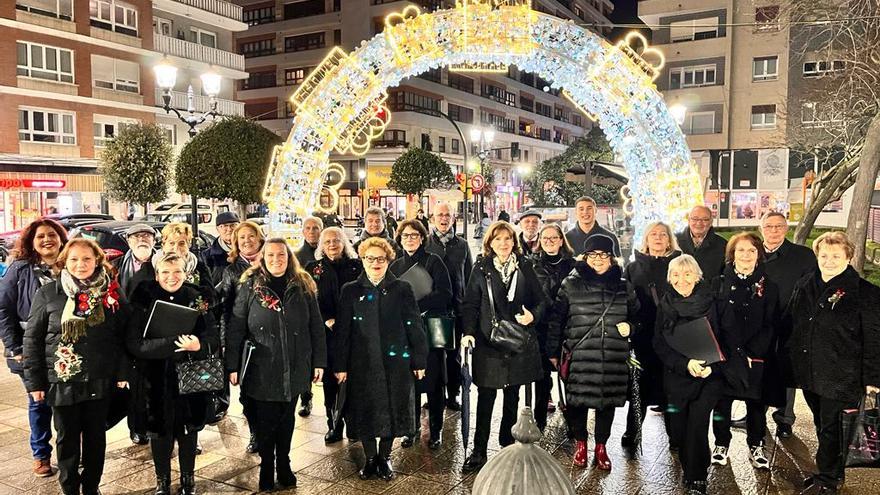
833	348
74	355
692	386
335	265
380	348
518	298
411	236
747	302
647	275
35	255
276	311
170	416
553	261
592	311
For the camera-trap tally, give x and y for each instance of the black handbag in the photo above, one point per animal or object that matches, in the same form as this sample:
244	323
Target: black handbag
505	335
217	405
860	435
200	375
441	332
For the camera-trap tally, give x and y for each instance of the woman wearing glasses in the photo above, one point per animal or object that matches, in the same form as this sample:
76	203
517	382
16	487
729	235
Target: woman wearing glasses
593	311
380	350
335	265
411	235
553	262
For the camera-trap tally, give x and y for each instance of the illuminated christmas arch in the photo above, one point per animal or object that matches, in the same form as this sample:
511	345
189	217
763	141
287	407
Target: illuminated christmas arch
341	105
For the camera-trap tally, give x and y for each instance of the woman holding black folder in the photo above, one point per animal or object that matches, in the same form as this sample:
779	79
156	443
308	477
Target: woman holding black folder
170	416
693	386
276	315
747	302
411	235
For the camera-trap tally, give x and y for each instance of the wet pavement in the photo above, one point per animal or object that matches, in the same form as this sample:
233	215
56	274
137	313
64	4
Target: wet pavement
225	468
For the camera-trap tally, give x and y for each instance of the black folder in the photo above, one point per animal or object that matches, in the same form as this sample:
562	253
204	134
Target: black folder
696	340
170	320
420	280
247	350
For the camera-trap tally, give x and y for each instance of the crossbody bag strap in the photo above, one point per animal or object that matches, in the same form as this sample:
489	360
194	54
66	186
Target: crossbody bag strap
491	297
599	321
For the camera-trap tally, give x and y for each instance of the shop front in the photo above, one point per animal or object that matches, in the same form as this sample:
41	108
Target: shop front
25	197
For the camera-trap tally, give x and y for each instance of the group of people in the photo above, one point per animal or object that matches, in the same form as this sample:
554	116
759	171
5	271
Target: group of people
383	319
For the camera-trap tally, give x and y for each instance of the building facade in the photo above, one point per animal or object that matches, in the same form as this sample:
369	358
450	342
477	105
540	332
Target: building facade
287	39
72	72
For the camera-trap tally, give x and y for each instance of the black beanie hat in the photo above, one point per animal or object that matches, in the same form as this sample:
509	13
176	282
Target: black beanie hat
599	242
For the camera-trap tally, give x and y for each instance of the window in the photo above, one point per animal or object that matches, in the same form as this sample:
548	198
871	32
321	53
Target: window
460	82
44	62
433	75
170	131
441	144
526	103
111	73
694	29
337	37
62	9
543	134
113	15
262	15
499	122
162	26
461	114
202	37
763	117
542	109
426	142
305	8
404	101
500	95
822	67
767	18
256	80
560	114
394	136
577	120
257	48
765	69
296	75
692	77
312	41
814	116
46	126
456	147
105	129
699	123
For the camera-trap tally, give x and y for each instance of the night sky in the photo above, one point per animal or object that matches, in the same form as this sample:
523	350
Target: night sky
625	12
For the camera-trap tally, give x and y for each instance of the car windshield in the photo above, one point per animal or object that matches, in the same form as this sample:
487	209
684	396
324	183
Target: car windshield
103	238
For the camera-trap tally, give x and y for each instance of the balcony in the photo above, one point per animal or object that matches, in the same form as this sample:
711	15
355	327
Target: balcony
220	13
193	51
219	7
202	103
390	143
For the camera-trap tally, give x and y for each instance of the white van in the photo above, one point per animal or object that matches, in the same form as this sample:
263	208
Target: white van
181	212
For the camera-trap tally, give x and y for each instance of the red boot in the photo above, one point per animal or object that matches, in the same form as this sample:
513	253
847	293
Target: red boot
602	460
580	453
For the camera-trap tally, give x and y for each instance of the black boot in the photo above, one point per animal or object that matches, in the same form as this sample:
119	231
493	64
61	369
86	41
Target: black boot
252	444
386	471
138	439
267	476
286	477
163	484
187	484
474	462
370	468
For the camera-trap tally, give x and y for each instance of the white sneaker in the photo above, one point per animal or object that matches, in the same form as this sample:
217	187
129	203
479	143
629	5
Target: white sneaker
758	458
719	456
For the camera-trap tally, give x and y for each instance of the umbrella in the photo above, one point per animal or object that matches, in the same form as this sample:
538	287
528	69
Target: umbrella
466	380
635	395
339	405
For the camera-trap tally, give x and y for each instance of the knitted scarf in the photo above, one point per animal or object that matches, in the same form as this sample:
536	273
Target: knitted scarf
444	238
84	303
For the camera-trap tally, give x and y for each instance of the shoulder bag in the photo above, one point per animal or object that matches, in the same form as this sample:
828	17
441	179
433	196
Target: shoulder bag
565	362
200	375
508	336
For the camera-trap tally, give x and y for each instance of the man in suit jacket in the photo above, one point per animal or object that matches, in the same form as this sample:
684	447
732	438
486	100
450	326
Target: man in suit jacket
700	241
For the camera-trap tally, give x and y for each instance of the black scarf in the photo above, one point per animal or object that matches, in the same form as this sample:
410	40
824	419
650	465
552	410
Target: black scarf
677	307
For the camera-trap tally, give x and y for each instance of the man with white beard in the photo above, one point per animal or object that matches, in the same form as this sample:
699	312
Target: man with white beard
141	243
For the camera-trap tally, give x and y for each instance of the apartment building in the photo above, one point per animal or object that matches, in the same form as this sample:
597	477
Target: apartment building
288	38
730	64
72	72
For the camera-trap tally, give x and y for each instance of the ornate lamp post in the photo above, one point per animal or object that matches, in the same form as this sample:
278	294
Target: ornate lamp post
483	139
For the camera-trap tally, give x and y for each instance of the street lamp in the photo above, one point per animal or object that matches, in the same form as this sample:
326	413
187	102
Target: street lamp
483	139
166	78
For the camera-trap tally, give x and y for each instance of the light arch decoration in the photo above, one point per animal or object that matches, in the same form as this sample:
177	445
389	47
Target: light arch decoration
341	104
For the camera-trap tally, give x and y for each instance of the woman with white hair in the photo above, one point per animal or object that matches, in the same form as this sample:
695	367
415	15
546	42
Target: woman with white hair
692	386
647	274
336	264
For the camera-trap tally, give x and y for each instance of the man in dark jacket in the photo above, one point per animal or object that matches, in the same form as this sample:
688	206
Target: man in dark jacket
374	226
456	255
529	225
215	257
587	226
503	216
700	241
312	227
141	240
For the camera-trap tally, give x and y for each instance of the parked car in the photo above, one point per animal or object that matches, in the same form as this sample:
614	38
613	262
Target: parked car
7	239
111	236
182	212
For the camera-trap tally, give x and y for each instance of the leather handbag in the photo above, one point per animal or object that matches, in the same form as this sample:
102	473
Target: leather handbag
441	332
505	335
565	362
200	375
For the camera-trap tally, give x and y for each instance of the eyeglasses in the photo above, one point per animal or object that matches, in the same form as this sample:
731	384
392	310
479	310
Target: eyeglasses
142	236
700	220
376	259
598	256
330	242
551	238
411	236
775	227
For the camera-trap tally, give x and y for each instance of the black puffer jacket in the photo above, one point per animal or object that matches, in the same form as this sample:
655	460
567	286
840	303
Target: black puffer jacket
551	271
290	342
102	348
834	348
598	375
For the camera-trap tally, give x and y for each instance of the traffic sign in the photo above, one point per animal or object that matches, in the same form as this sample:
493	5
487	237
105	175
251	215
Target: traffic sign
477	182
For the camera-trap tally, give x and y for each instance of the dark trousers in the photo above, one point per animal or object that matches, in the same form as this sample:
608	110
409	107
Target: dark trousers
40	422
162	447
436	407
785	415
543	389
576	417
756	422
331	390
829	457
247	411
371	450
689	428
485	405
453	364
275	423
81	433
